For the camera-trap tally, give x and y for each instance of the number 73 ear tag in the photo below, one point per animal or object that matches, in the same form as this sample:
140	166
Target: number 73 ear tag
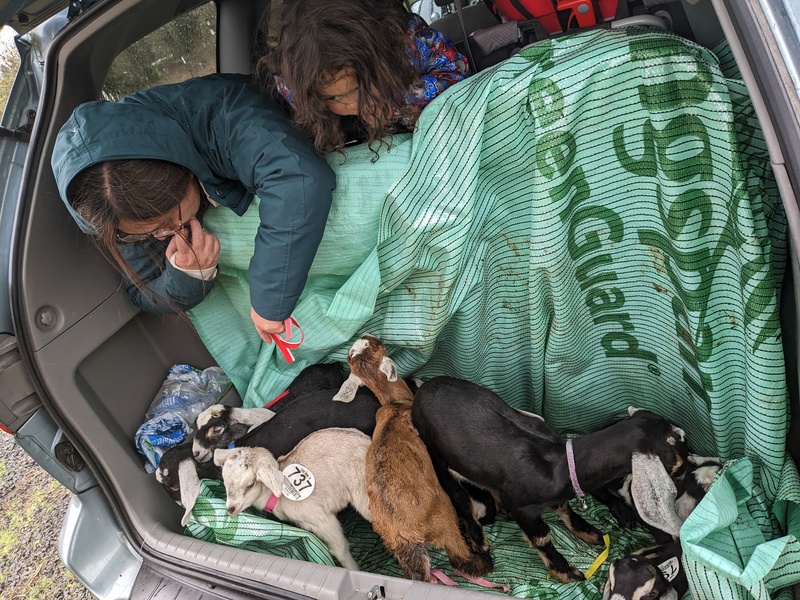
298	482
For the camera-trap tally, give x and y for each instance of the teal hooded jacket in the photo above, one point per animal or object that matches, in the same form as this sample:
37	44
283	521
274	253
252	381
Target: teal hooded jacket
239	143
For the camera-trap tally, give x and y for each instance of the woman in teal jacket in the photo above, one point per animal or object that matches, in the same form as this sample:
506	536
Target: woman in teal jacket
138	173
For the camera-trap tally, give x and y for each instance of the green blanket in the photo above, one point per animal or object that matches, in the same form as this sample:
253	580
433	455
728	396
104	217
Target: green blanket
592	224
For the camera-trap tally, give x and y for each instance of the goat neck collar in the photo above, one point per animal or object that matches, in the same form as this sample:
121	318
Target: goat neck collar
271	503
401	402
573	475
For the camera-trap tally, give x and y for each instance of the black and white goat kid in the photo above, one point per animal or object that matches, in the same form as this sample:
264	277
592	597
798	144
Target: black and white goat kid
219	425
649	573
524	461
692	481
303	408
657	572
180	474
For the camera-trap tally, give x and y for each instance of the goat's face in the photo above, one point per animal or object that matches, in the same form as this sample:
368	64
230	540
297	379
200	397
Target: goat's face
246	473
212	425
661	438
371	366
635	578
368	357
168	471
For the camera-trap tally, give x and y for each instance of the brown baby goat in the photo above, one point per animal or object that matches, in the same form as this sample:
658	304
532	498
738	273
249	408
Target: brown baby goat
409	508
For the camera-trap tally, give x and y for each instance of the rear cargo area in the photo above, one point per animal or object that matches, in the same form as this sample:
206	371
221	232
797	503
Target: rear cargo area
589	225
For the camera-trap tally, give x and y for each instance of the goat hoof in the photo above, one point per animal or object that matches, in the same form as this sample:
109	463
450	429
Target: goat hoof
483	563
567	576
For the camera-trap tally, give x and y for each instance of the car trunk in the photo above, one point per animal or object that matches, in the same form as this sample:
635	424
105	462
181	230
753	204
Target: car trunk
100	361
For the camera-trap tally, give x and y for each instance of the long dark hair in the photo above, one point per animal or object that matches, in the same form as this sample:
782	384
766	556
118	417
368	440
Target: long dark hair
320	38
127	190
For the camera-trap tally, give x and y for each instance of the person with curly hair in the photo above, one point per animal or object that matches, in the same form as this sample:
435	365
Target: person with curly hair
356	69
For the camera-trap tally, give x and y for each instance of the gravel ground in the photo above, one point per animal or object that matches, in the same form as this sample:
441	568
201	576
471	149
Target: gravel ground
32	506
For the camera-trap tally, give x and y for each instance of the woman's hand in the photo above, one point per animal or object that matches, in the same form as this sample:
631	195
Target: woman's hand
198	250
265	327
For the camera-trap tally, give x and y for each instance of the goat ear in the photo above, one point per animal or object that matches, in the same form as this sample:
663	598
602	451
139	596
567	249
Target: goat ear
609	583
654	493
220	456
388	368
268	473
190	488
679	432
251	416
349	388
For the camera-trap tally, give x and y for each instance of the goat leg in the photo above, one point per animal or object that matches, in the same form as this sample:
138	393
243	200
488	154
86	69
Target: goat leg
623	512
537	532
450	537
412	557
577	525
462	502
481	496
329	530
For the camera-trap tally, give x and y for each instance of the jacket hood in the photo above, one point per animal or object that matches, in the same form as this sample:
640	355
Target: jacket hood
102	131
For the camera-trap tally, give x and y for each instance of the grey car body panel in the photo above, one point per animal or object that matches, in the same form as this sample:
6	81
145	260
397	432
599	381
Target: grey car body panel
25	15
94	548
82	360
38	437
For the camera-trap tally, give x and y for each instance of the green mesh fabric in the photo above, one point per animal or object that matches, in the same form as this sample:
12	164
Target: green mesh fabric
517	564
590	225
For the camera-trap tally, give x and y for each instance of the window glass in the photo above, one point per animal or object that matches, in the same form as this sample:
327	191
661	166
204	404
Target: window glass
9	63
429	10
184	48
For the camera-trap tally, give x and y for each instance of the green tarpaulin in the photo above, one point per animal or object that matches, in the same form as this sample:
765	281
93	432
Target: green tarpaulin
589	225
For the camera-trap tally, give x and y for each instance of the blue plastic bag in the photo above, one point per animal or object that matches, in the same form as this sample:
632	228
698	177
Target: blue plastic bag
185	393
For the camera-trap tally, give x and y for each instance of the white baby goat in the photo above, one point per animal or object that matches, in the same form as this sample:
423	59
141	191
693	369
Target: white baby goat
335	459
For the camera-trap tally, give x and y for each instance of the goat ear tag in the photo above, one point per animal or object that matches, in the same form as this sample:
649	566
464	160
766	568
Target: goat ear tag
670	568
298	482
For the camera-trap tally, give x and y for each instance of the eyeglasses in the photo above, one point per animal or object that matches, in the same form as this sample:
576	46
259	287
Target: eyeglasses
127	238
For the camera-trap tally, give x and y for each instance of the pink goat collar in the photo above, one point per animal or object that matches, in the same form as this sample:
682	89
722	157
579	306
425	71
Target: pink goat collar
271	503
573	475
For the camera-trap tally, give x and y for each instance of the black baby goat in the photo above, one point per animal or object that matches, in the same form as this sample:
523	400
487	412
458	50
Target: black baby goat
524	461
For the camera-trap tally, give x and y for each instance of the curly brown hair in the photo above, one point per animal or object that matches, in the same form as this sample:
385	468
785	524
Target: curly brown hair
321	38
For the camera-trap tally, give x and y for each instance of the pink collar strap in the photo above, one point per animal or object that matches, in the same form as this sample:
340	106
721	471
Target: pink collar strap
438	575
573	475
271	503
283	343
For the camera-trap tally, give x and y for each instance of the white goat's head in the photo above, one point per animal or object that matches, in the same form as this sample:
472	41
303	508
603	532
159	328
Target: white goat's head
249	474
370	365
